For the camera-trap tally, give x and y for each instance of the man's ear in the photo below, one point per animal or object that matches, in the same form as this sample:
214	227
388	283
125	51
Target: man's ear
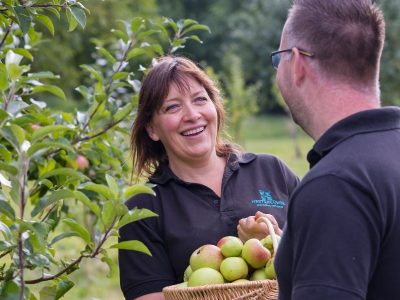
299	68
151	133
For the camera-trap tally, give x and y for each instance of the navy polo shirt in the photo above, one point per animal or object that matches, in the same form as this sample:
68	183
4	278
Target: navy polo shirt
191	215
342	238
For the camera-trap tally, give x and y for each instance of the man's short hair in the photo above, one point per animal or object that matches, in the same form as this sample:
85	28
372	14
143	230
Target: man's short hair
346	36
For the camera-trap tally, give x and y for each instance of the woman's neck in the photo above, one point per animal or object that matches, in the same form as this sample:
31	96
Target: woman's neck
208	172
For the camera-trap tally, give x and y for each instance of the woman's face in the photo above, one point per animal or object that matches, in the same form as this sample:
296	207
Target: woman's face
186	123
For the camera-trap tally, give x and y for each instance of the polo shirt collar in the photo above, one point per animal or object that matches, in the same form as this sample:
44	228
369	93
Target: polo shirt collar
163	173
372	120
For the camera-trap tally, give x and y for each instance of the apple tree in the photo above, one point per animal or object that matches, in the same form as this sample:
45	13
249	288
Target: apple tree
66	174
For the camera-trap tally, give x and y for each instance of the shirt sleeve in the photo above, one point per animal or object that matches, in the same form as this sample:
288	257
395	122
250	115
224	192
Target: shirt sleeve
141	274
334	228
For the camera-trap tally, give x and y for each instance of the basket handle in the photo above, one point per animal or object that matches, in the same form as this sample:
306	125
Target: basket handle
271	232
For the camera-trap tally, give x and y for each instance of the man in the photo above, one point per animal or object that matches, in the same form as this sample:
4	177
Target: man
342	238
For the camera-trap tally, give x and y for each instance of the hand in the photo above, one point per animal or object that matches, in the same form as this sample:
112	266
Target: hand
250	228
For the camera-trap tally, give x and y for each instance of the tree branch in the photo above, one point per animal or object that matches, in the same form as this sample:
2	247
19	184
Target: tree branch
6	34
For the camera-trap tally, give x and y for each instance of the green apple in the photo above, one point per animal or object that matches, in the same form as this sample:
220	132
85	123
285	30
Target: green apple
182	285
240	280
267	242
233	268
255	254
205	276
258	274
270	269
206	256
187	273
230	246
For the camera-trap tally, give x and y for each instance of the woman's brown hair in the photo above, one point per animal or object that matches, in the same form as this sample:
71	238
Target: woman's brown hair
146	153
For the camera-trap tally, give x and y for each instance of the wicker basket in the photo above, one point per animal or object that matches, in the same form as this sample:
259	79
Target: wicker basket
260	289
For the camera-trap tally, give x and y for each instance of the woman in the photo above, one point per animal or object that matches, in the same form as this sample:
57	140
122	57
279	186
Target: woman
204	185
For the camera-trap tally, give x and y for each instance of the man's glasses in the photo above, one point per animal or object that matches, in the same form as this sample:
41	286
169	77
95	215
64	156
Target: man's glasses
276	56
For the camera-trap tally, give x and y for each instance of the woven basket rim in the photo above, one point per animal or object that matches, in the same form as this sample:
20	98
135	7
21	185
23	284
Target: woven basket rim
245	284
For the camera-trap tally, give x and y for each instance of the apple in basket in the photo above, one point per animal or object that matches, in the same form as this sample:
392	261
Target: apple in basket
255	254
205	276
233	268
206	256
230	246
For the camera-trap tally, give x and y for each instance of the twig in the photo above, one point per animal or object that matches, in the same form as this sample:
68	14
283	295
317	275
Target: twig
6	34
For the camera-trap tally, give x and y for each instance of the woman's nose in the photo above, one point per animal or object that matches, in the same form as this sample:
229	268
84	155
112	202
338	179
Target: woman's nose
191	113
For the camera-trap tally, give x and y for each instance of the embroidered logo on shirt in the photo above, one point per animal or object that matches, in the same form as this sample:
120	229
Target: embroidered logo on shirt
267	200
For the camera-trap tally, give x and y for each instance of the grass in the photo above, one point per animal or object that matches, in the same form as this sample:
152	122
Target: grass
266	134
271	134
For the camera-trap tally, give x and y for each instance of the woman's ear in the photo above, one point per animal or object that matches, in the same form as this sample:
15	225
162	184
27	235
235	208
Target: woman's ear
151	133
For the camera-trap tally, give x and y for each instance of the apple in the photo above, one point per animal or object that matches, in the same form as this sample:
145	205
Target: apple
240	280
205	276
35	127
270	269
182	285
82	162
255	254
206	256
258	274
187	273
267	242
230	246
233	268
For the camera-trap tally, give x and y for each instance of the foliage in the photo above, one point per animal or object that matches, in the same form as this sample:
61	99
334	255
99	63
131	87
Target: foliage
241	99
63	175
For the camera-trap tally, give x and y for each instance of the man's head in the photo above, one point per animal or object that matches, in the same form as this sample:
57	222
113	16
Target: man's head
329	60
346	37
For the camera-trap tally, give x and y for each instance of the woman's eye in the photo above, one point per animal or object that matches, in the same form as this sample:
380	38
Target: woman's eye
171	108
201	99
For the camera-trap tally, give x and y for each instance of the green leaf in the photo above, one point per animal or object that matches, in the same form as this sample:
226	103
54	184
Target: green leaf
9	169
107	55
79	15
6	231
123	112
46	21
54	11
100	189
82	232
86	201
134	215
146	34
196	27
135	52
42	75
112	184
138	189
7	210
42	132
92	71
188	22
65	172
5	246
63	236
3	77
39	146
111	265
49	200
23	17
25	53
120	75
72	22
14	134
63	287
55	90
136	23
48	293
108	214
132	245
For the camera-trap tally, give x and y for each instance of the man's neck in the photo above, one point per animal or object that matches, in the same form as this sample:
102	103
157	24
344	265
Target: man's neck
336	104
